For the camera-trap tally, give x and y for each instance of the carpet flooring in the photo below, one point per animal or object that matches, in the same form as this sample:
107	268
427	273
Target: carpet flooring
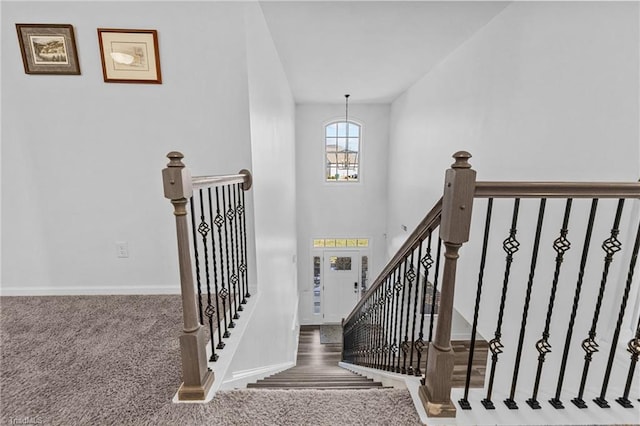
115	360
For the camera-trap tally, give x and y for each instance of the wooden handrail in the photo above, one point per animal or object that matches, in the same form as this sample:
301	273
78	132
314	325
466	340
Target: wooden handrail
429	223
557	190
494	189
244	177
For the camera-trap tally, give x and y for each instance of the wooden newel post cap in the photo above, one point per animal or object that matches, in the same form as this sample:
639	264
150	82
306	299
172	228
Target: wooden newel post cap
462	160
176	178
175	159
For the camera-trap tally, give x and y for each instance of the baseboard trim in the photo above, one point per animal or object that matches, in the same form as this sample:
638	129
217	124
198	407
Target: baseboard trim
86	291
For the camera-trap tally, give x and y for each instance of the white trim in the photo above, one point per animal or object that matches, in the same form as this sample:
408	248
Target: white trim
240	379
387	378
337	119
89	290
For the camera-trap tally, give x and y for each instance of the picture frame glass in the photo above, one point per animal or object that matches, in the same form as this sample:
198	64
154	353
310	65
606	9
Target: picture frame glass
129	56
48	48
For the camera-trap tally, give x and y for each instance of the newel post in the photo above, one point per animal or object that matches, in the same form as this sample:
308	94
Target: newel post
457	203
196	376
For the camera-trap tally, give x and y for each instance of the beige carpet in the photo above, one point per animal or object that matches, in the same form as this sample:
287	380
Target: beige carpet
103	360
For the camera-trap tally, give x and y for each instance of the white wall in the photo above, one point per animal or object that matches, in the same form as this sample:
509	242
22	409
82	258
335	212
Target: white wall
271	337
81	159
545	91
339	210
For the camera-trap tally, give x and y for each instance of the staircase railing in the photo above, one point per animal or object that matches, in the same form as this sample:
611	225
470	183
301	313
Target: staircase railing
211	305
386	330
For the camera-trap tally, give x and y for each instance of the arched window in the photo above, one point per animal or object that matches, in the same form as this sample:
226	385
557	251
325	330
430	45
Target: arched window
342	151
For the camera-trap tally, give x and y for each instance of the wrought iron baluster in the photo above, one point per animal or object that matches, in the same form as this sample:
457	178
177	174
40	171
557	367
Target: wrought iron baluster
376	325
224	293
231	214
412	370
555	401
561	245
397	286
375	328
409	276
242	258
363	332
197	258
359	338
402	279
245	272
380	327
235	244
427	262
634	344
510	403
388	321
371	329
464	401
633	347
356	339
364	337
232	297
215	274
203	230
510	245
611	246
434	297
384	344
359	335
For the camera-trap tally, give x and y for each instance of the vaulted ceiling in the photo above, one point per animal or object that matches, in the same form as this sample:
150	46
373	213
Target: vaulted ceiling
371	50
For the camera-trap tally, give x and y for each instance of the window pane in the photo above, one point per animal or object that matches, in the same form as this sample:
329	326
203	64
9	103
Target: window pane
342	129
342	151
364	279
340	263
316	284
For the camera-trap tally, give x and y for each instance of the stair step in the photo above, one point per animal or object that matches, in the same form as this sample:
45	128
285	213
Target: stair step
316	379
316	368
315	384
266	388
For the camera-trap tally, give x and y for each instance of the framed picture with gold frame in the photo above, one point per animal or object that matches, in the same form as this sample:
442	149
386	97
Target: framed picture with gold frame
130	56
48	48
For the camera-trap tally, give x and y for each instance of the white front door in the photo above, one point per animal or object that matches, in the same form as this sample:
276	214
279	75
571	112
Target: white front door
341	284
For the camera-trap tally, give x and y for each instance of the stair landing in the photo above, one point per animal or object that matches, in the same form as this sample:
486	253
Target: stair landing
316	368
